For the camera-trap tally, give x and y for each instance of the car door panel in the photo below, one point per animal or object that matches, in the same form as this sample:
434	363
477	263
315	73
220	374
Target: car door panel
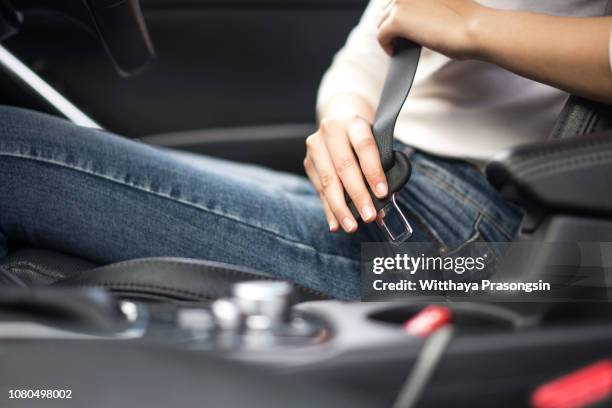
235	65
219	63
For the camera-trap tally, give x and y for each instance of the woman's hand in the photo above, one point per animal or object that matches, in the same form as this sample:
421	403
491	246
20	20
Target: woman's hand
338	156
444	26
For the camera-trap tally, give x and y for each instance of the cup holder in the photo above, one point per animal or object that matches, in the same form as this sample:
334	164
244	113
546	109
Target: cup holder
466	317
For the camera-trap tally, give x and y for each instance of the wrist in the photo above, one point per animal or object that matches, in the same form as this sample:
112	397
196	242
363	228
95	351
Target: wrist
343	106
479	26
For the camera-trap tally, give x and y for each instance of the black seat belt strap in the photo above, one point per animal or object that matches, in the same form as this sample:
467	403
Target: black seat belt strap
395	163
395	91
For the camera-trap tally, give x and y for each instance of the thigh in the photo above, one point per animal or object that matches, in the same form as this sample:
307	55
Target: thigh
290	183
107	198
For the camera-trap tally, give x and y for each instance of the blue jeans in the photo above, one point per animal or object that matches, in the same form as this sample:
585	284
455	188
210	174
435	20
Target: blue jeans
106	198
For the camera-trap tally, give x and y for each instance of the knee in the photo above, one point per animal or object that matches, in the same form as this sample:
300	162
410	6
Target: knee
21	125
32	133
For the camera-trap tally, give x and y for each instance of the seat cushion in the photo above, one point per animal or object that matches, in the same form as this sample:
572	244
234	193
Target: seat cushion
176	279
158	279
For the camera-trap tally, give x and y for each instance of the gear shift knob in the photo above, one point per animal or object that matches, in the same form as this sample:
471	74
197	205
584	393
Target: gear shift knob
265	304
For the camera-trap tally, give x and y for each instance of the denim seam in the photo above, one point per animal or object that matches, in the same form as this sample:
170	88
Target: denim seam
482	238
419	221
476	234
184	202
495	253
465	199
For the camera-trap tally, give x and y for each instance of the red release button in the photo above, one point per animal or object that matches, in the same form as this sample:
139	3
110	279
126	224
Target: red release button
589	385
427	321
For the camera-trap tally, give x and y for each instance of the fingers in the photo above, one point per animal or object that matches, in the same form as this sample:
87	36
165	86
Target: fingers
314	179
364	145
385	11
331	219
330	184
338	157
387	32
386	28
335	136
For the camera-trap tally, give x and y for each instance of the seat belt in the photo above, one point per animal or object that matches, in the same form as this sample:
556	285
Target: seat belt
390	217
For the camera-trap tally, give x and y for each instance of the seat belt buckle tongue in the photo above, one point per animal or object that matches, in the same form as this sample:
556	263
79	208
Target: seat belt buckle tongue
393	222
390	217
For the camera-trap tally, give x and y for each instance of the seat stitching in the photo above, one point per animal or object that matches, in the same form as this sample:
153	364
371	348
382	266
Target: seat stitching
567	164
23	265
565	147
203	268
144	286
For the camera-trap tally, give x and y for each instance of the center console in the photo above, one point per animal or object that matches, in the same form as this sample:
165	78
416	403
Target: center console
501	351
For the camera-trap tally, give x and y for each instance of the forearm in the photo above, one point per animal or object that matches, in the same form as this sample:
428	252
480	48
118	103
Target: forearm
568	53
346	105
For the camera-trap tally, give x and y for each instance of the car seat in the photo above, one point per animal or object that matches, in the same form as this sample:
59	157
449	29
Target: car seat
563	184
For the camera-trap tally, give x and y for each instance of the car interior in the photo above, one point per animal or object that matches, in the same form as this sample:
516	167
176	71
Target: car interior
174	331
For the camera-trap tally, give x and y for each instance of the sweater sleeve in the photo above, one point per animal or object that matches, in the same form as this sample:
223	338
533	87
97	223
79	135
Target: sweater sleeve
360	66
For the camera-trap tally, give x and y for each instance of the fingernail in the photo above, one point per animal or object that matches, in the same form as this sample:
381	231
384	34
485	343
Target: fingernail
381	189
332	225
367	212
348	224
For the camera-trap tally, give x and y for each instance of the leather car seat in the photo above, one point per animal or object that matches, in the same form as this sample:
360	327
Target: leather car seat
175	279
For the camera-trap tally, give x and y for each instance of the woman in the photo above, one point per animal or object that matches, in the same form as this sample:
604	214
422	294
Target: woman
106	198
